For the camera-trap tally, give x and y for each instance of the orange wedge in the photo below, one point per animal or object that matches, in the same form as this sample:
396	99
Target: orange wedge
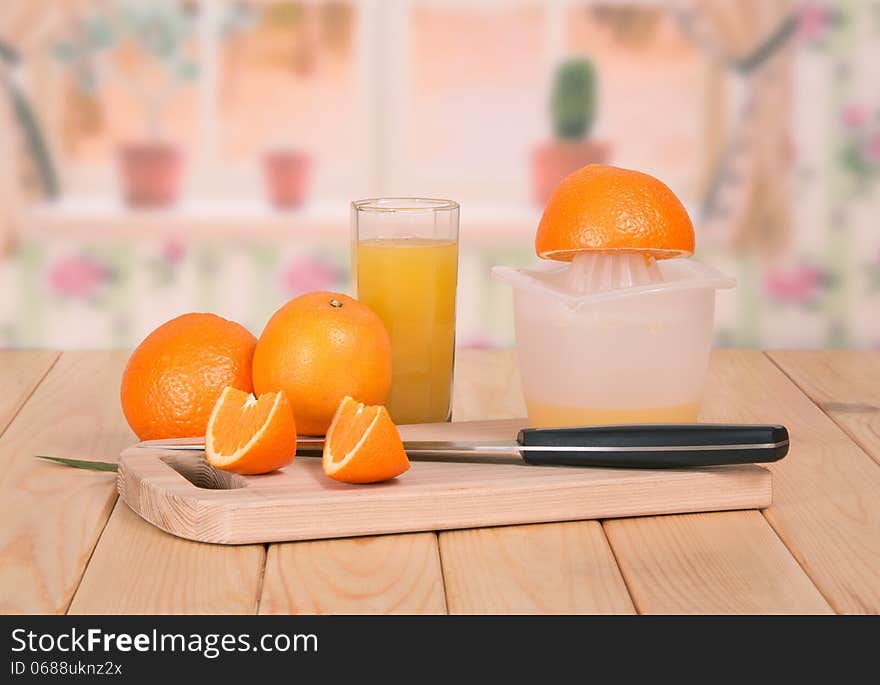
248	435
363	445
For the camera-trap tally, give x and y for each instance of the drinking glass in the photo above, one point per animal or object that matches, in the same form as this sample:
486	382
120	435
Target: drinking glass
405	268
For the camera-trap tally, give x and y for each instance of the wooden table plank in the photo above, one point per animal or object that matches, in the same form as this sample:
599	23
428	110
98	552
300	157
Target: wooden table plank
716	563
534	569
825	503
20	373
52	515
138	569
846	386
389	574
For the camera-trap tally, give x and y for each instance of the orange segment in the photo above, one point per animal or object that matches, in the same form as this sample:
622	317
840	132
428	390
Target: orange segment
248	435
363	445
601	208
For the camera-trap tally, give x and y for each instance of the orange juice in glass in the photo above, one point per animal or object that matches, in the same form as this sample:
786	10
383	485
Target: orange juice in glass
405	266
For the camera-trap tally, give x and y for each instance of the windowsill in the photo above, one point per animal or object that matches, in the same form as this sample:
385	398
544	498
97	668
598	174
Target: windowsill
225	219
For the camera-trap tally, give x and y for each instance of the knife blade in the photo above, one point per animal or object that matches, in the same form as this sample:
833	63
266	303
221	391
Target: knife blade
631	446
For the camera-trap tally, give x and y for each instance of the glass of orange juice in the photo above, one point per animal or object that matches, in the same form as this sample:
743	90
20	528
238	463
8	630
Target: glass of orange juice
405	267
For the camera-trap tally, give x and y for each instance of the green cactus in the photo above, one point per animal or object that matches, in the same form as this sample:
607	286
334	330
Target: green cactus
573	102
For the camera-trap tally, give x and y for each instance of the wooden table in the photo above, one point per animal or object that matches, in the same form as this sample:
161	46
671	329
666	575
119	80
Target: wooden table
68	545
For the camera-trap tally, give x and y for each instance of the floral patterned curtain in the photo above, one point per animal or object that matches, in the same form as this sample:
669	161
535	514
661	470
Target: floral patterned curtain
748	197
823	288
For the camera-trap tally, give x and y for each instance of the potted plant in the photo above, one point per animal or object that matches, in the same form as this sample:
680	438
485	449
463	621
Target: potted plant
302	29
573	108
151	168
287	171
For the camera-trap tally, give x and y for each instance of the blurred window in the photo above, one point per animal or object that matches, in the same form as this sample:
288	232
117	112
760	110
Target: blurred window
291	82
652	88
390	97
473	101
227	81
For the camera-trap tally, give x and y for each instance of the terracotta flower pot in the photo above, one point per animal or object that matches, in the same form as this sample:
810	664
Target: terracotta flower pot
553	161
287	175
151	173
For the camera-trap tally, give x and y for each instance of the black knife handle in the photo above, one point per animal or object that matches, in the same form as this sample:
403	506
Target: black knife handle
657	445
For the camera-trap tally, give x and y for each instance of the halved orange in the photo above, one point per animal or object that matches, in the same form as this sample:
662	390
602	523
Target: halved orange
363	445
249	435
602	208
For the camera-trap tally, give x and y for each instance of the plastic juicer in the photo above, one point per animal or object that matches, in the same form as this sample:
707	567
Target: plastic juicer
614	337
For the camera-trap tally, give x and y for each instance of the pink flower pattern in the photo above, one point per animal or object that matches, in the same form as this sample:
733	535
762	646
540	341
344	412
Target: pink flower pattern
173	251
813	21
304	275
799	285
854	116
77	276
872	148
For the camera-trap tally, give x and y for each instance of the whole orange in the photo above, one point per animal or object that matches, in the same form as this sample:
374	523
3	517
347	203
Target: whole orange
174	377
318	348
601	208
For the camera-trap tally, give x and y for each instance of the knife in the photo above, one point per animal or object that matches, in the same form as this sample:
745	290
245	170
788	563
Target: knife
634	446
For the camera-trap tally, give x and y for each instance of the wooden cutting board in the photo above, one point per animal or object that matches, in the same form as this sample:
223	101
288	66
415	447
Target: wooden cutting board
183	495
